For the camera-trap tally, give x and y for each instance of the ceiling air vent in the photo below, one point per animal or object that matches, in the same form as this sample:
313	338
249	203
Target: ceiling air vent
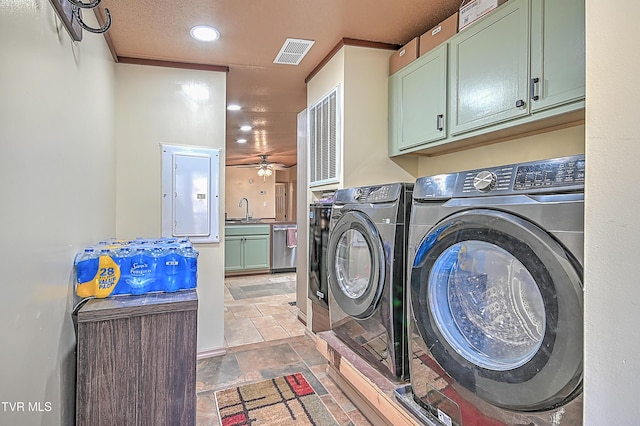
293	50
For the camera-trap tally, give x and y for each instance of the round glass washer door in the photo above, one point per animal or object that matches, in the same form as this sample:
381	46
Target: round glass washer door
356	270
353	263
498	303
486	305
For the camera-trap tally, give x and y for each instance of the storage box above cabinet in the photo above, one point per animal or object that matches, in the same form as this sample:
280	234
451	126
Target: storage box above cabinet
472	10
403	57
439	34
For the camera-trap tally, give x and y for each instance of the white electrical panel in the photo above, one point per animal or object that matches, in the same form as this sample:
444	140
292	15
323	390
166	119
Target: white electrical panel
190	192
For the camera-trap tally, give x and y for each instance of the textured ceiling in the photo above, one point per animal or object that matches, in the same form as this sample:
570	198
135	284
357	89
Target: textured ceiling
252	33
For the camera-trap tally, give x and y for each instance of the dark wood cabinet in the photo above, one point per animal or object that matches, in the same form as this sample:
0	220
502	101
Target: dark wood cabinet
136	360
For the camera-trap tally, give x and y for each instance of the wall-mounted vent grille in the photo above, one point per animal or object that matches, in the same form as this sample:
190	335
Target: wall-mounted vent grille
324	140
292	51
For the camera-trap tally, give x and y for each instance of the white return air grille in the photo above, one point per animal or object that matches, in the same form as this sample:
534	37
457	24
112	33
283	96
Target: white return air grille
292	51
324	140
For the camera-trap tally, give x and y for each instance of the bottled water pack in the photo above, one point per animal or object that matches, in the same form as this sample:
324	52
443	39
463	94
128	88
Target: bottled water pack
137	266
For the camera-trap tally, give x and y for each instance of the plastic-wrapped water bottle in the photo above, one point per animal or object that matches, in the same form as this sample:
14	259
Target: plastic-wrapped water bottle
87	266
191	259
140	272
174	270
155	256
122	257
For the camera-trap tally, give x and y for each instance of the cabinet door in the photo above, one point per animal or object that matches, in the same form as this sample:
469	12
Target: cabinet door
489	69
420	92
557	52
234	253
256	252
127	358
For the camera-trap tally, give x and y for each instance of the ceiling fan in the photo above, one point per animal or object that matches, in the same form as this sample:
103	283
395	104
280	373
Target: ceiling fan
265	167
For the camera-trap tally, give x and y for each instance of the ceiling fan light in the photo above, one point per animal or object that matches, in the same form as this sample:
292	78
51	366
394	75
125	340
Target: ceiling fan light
261	172
268	172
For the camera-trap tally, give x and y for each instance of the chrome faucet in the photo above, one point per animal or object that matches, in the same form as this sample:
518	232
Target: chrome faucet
246	214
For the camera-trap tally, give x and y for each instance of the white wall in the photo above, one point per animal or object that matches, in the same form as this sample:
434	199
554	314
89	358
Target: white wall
612	225
362	74
57	180
366	106
152	109
245	182
329	77
559	143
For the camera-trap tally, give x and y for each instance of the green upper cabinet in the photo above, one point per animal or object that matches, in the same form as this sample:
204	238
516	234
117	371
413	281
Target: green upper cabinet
417	97
557	52
519	69
489	69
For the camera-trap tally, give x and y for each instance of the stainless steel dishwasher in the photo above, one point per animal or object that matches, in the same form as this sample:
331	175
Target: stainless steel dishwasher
283	247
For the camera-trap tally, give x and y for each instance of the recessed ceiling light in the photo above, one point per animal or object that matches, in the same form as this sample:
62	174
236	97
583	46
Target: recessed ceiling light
245	128
234	107
205	33
241	141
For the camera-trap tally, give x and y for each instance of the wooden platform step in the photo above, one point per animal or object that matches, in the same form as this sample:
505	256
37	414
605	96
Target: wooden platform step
368	389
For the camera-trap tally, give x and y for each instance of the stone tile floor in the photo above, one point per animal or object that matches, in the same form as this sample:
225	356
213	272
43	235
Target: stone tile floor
264	339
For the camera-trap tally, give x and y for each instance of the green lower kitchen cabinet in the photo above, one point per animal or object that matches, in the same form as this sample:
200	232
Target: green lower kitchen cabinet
247	247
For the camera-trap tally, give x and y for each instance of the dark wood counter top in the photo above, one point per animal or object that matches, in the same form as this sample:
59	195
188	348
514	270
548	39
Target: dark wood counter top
137	305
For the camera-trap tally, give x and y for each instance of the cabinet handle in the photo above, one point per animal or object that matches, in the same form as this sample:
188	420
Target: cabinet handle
533	85
440	122
519	103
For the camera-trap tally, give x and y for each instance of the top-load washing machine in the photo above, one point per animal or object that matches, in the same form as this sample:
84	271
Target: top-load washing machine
366	273
495	295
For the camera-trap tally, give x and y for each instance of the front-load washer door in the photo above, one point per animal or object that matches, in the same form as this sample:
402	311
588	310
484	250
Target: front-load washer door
357	264
499	304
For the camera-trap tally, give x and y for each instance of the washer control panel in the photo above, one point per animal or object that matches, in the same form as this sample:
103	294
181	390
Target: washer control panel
495	179
370	194
549	175
564	174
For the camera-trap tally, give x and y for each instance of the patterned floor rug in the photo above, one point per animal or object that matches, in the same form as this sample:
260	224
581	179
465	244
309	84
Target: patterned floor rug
287	400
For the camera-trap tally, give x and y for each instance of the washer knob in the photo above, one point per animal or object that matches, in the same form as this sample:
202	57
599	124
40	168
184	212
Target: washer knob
357	194
484	181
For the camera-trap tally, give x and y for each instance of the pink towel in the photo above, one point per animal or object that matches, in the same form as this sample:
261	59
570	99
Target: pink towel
292	237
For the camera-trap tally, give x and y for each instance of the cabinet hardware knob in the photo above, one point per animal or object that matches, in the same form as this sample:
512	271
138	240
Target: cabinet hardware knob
519	103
